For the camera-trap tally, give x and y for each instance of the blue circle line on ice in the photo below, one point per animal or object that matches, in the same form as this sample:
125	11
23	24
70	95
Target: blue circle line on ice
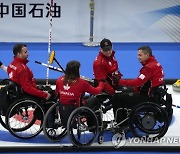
7	137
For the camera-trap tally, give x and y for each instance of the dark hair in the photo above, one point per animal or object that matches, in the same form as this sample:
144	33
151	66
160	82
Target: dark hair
72	71
145	50
17	48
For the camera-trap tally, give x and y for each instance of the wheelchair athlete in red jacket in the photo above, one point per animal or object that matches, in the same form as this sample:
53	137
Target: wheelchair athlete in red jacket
105	66
70	87
21	74
150	78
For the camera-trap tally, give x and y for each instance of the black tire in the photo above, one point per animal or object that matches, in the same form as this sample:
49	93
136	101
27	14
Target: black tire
170	115
148	120
100	138
52	128
3	83
24	118
3	121
82	127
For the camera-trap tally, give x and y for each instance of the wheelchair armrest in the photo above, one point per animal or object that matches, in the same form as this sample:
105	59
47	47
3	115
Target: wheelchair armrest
103	96
14	90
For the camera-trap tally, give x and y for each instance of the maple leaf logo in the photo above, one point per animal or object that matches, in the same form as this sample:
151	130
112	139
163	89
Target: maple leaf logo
66	87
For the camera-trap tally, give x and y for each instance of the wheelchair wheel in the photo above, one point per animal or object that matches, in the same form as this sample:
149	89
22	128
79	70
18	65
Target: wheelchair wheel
82	127
2	121
170	115
24	118
100	138
52	128
148	120
3	83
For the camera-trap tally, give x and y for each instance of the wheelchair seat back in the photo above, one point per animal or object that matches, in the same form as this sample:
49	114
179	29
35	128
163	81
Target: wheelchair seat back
14	91
8	94
164	99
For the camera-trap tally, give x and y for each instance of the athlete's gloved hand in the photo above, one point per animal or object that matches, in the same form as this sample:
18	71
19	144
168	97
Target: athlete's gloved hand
115	80
1	63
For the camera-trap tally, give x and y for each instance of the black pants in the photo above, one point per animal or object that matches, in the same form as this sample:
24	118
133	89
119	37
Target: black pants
65	111
129	101
92	102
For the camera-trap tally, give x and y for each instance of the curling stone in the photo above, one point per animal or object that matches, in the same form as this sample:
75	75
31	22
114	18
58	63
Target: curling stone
176	86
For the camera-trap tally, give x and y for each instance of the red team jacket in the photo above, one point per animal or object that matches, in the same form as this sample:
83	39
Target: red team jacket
21	74
70	94
151	70
106	68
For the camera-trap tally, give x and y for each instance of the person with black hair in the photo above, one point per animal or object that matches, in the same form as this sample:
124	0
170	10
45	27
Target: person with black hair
70	87
21	74
105	66
151	77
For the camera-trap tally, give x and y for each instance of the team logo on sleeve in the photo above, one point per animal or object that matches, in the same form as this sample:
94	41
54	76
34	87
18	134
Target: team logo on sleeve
10	75
142	76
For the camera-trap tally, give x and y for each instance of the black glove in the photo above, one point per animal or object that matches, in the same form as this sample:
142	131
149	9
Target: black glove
1	63
49	90
115	80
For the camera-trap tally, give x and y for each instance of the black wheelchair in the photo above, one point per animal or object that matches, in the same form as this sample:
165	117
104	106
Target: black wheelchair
83	125
54	130
52	124
23	113
8	94
78	125
148	120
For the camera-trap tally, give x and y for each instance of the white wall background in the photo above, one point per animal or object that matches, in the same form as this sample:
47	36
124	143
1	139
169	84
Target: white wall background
119	20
